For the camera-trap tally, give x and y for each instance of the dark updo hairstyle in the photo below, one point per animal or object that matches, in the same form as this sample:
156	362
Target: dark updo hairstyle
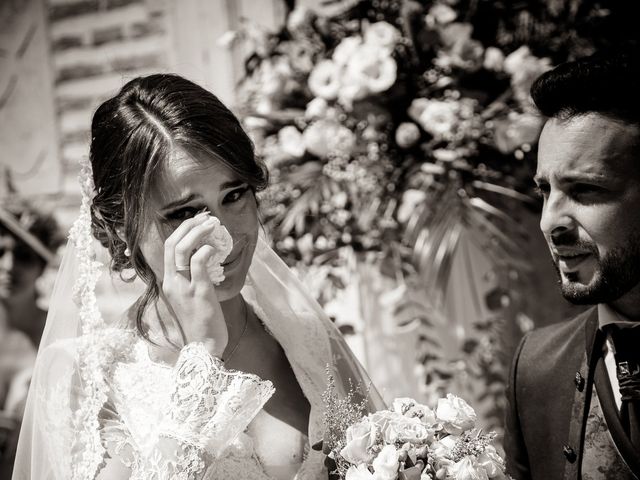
132	135
607	82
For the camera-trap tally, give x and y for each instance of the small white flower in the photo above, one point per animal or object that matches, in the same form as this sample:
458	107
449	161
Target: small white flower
324	80
382	35
291	141
407	134
493	59
441	14
316	108
345	50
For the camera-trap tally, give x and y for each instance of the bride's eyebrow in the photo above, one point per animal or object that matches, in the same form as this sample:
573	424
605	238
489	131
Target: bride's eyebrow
179	202
231	184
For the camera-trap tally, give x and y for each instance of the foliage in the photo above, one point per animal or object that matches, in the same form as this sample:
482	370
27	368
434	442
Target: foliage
398	127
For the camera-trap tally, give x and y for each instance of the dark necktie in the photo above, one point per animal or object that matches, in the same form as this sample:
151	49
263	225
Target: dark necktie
626	342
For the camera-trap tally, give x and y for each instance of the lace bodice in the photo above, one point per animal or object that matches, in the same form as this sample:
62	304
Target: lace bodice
199	411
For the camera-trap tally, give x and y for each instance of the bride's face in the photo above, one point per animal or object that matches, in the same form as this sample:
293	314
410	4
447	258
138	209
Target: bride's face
188	185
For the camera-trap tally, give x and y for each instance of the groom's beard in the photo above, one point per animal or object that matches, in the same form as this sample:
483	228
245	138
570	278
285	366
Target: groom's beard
617	272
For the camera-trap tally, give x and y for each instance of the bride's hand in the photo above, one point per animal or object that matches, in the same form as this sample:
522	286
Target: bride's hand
190	293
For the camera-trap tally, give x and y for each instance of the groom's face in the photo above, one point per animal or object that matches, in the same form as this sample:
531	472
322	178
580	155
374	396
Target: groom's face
589	177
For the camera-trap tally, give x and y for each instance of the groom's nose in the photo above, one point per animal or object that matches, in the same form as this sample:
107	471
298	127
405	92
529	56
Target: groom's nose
556	218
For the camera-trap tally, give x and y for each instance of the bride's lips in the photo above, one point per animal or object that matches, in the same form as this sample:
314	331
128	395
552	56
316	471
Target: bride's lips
234	256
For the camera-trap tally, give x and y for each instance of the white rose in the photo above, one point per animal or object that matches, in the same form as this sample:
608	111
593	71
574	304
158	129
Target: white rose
455	414
436	117
374	69
385	465
299	17
442	449
382	35
492	463
441	14
345	50
404	429
324	137
324	80
361	437
411	198
291	141
445	155
467	469
493	59
316	108
516	130
407	134
361	472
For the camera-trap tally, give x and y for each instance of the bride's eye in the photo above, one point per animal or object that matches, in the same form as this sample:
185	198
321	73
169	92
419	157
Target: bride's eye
183	213
235	195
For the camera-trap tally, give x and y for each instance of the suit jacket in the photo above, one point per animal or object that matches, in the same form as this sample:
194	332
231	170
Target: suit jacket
549	394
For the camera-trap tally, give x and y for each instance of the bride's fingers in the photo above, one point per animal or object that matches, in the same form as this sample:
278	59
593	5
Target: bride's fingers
177	235
191	242
199	273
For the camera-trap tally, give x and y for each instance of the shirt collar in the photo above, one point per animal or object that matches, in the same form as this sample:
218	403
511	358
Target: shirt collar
609	316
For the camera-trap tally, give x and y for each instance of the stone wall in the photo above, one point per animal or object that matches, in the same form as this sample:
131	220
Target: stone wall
96	46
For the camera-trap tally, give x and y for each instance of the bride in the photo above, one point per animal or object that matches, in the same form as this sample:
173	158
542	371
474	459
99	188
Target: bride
196	380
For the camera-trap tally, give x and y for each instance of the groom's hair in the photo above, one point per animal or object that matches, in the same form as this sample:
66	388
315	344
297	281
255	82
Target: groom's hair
606	82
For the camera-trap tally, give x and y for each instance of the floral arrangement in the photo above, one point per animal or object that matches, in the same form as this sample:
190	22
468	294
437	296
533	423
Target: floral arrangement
392	129
412	441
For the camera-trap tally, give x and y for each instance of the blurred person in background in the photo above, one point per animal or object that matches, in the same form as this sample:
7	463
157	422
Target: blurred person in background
28	240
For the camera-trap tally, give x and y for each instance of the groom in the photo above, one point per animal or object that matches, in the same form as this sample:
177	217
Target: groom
574	393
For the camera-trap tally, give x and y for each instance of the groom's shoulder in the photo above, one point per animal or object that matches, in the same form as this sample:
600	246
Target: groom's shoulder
564	338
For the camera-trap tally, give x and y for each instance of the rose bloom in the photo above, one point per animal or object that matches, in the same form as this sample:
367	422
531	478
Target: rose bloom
436	117
324	80
455	414
291	141
493	59
404	429
324	137
524	68
316	108
382	35
517	129
361	472
386	464
492	463
300	17
361	437
407	134
408	406
467	469
377	70
345	50
440	14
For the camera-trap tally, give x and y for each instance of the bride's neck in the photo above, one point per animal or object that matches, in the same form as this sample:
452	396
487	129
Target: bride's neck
235	311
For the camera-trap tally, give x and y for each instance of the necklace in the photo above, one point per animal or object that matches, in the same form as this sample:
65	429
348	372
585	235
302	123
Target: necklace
244	330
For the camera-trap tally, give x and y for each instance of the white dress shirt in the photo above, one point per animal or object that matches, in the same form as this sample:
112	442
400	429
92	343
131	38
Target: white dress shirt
608	316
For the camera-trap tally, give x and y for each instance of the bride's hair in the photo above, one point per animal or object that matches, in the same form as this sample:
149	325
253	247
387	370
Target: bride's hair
132	135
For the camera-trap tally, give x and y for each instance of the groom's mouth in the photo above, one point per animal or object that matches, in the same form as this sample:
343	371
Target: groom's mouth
569	260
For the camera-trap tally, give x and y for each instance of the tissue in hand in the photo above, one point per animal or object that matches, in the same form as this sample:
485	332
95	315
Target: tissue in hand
219	239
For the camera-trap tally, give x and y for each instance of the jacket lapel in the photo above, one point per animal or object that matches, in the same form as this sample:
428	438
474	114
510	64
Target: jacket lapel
610	412
583	380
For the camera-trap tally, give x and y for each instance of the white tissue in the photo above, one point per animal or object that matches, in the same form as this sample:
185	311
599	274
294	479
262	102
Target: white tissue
220	239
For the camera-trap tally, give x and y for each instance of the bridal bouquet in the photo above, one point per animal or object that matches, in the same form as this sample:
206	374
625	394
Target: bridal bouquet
411	441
